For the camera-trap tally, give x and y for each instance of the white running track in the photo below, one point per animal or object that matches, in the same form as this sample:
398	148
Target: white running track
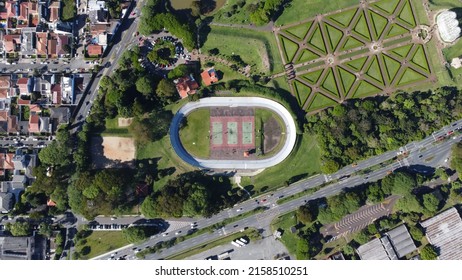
234	102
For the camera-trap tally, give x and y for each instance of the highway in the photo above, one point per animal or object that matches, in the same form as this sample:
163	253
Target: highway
290	132
423	155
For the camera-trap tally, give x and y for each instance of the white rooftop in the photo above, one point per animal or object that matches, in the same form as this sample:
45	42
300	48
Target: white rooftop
448	26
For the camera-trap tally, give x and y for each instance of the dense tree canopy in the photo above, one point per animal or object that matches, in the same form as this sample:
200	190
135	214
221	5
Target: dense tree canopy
19	228
428	253
358	129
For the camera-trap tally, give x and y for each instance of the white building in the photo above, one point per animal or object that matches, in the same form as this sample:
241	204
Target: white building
448	26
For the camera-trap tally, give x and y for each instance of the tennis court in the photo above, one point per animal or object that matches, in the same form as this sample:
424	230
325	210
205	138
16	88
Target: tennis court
247	133
217	133
232	133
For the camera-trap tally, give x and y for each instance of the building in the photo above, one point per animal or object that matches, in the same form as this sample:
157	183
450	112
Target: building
444	231
6	202
12	43
401	241
58	116
186	86
209	76
448	26
395	244
94	50
22	248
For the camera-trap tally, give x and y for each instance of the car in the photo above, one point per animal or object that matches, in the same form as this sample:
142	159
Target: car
239	210
165	234
113	218
178	232
263	200
137	251
446	160
420	156
450	132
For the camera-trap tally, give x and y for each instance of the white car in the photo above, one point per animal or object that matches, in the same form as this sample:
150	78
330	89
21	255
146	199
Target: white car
165	234
239	210
178	232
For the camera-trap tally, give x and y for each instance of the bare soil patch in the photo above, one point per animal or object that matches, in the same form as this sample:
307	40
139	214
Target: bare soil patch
113	152
272	134
124	122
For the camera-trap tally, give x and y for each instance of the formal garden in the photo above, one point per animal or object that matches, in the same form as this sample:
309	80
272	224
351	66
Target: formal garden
355	53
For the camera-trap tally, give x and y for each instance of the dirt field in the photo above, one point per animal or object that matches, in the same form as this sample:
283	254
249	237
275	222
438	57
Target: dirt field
124	122
272	131
113	152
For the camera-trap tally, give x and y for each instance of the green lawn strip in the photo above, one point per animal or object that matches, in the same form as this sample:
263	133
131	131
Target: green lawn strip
307	55
316	40
410	76
335	36
300	30
211	244
101	242
402	51
374	71
420	13
420	59
290	48
330	84
365	89
344	18
250	45
225	73
351	43
299	194
379	23
312	77
407	15
453	51
444	77
392	67
310	66
303	92
112	129
361	28
444	4
387	6
303	9
320	101
281	83
195	135
286	222
396	30
303	161
347	79
355	53
357	64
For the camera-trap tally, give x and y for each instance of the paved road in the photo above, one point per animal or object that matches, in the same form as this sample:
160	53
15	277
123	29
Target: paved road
430	147
234	102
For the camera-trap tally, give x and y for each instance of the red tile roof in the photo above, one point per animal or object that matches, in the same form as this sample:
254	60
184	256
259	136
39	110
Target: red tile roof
11	42
209	76
41	43
34	123
56	93
22	84
12	124
54	11
4	93
5	82
35	108
186	86
23	101
94	50
3	116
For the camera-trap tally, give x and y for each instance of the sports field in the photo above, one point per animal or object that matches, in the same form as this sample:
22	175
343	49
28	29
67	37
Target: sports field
373	48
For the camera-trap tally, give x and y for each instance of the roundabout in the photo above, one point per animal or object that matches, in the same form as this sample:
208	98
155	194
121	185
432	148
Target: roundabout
228	103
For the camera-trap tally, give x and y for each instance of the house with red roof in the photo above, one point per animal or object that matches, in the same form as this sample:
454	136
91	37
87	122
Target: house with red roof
41	44
209	76
54	11
94	50
12	43
22	85
186	86
34	123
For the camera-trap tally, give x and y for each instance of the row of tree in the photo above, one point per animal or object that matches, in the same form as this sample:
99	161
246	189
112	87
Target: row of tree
358	129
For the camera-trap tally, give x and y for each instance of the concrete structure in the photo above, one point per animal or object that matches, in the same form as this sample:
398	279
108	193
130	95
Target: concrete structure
377	249
22	248
448	26
444	231
290	130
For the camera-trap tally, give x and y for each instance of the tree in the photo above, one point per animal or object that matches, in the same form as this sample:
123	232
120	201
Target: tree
45	229
403	183
330	166
196	8
197	202
430	202
428	253
166	91
213	51
361	238
19	229
304	214
303	249
148	208
144	85
408	204
179	71
416	233
135	234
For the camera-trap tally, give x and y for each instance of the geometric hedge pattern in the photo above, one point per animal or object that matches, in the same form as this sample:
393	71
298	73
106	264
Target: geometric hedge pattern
335	59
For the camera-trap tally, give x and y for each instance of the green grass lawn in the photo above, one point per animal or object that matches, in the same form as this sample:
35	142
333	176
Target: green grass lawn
302	91
302	9
280	83
285	222
334	36
227	74
344	18
194	136
300	30
186	4
252	46
290	48
101	242
361	28
410	76
329	83
407	15
113	129
320	101
304	161
420	13
317	40
227	13
453	51
167	158
392	67
347	79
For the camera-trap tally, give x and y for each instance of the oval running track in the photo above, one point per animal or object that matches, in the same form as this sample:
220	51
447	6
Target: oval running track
234	102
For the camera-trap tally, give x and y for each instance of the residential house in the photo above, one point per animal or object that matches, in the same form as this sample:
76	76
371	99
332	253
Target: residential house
22	84
66	89
94	50
56	94
28	41
34	124
12	43
209	76
58	116
44	125
41	44
28	13
186	86
6	202
54	11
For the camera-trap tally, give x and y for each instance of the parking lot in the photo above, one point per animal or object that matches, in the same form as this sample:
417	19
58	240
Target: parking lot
265	249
